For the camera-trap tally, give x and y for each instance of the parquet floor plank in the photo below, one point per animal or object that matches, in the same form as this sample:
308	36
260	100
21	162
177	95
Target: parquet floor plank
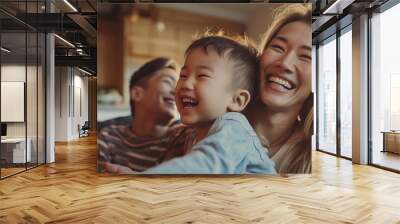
71	191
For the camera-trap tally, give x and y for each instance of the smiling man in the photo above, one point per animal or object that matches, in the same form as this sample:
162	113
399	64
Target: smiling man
145	141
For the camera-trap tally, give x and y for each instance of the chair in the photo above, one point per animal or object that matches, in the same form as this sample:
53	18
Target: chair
84	130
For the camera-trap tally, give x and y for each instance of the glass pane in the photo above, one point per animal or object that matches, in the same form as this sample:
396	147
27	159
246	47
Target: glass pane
327	96
22	67
346	94
41	98
385	86
314	84
31	97
13	86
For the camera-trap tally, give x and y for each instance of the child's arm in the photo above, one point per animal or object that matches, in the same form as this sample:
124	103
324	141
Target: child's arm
203	160
222	152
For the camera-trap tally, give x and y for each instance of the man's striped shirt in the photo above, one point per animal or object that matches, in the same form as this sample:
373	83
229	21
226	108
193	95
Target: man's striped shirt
117	144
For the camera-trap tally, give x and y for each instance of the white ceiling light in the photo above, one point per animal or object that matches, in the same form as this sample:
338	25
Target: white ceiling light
65	41
84	71
79	51
70	5
5	50
337	7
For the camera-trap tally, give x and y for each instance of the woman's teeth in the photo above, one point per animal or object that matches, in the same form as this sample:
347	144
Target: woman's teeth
283	82
188	102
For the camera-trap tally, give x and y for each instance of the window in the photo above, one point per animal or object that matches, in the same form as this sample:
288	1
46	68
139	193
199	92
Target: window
385	89
22	65
327	96
346	93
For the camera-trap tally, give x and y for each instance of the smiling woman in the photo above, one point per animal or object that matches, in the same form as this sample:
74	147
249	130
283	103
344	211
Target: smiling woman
282	115
285	65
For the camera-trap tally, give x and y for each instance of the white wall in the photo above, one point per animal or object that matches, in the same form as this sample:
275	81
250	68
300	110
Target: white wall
61	103
82	83
33	126
71	94
81	104
16	73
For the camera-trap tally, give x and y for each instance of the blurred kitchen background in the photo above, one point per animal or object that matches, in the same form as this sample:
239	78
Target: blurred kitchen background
129	35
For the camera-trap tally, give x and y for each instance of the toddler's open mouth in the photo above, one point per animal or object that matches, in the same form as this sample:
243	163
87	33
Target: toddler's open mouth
189	102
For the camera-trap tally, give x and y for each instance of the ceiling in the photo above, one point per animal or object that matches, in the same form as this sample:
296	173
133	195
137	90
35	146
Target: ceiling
76	20
76	24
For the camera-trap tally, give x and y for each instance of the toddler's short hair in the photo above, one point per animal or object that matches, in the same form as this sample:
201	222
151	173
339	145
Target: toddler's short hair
239	51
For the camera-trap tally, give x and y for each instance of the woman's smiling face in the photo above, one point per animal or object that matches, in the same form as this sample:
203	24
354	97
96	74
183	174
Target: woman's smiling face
285	67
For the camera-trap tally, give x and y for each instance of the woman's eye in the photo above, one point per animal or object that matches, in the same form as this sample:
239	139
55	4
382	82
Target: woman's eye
305	57
182	76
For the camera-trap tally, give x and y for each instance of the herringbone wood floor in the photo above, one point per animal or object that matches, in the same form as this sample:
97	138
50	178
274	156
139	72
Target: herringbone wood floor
70	191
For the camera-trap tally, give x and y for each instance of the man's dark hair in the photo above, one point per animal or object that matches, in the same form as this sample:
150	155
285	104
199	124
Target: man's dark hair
239	51
146	71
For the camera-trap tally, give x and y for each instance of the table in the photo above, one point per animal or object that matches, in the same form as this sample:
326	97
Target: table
13	150
391	141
